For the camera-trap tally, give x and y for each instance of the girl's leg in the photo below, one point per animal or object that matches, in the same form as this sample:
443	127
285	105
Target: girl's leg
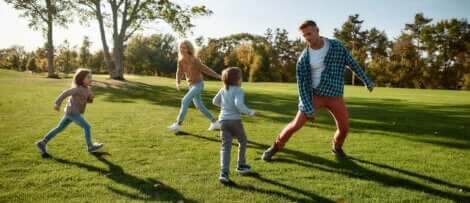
338	110
64	122
193	91
242	142
226	147
79	120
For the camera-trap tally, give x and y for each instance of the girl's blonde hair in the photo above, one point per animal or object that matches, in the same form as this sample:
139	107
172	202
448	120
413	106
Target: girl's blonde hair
189	46
231	76
79	76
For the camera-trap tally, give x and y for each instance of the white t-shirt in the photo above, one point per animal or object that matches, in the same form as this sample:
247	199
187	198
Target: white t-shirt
317	56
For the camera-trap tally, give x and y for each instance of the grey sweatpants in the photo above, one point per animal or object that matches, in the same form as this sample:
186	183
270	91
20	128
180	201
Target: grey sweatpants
230	129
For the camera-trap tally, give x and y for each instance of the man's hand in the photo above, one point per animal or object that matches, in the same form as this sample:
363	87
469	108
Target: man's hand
57	107
310	118
371	87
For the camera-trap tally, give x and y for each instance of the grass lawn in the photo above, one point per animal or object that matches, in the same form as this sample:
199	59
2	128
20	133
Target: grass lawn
406	145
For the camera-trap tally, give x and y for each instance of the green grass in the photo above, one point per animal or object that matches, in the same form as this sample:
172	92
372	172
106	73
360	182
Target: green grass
406	145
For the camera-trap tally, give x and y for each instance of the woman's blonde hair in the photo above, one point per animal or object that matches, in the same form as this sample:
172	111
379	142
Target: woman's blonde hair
189	46
231	76
79	76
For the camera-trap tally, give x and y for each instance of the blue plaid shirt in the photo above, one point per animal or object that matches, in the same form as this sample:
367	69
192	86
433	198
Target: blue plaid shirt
332	77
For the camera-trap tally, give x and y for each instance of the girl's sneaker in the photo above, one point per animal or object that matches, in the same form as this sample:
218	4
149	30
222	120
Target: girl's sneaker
214	126
41	145
175	127
244	169
95	147
223	178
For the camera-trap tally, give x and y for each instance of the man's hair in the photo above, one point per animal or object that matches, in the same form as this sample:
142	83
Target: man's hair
307	23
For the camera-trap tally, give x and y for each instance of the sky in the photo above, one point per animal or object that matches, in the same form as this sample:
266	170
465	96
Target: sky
253	16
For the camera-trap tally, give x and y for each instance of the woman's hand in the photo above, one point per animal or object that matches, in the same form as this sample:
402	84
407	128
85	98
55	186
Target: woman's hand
178	86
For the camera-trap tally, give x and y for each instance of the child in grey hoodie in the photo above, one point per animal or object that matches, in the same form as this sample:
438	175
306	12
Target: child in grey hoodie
230	99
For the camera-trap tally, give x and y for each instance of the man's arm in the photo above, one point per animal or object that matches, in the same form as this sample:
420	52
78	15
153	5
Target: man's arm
356	68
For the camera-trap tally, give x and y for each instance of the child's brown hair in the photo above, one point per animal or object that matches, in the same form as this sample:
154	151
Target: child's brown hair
231	76
79	76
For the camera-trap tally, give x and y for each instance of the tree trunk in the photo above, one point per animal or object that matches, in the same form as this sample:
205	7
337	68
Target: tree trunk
118	59
50	44
118	40
107	55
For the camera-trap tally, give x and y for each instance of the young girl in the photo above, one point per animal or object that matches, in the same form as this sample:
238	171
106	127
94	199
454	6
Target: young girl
80	95
230	99
192	68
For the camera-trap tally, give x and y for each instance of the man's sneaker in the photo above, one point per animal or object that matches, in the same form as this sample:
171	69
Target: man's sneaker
41	145
244	169
214	125
223	178
338	151
95	147
175	127
269	153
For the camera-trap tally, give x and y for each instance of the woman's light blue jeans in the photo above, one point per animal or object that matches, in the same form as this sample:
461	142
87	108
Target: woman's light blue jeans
194	95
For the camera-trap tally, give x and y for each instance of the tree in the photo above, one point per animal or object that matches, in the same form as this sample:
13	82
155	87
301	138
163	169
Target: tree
448	48
43	15
152	55
415	30
354	39
31	64
67	58
378	48
14	58
84	53
129	16
97	63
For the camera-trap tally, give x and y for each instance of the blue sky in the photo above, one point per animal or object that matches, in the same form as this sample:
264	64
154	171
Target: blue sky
255	16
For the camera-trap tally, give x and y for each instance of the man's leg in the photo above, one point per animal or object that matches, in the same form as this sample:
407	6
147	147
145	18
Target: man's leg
338	110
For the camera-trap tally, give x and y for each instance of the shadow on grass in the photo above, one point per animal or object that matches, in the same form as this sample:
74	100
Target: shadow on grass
312	196
148	189
443	125
349	168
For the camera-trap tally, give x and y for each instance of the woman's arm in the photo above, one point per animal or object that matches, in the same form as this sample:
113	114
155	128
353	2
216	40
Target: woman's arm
206	70
179	74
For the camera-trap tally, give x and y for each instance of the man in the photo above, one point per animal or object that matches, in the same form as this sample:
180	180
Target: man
320	79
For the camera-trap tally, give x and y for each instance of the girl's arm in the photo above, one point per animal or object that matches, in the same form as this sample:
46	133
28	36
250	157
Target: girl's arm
240	103
206	70
65	94
90	97
179	74
217	100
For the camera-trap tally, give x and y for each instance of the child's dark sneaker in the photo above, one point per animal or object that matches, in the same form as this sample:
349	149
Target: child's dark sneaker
338	151
95	147
244	169
223	178
41	145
